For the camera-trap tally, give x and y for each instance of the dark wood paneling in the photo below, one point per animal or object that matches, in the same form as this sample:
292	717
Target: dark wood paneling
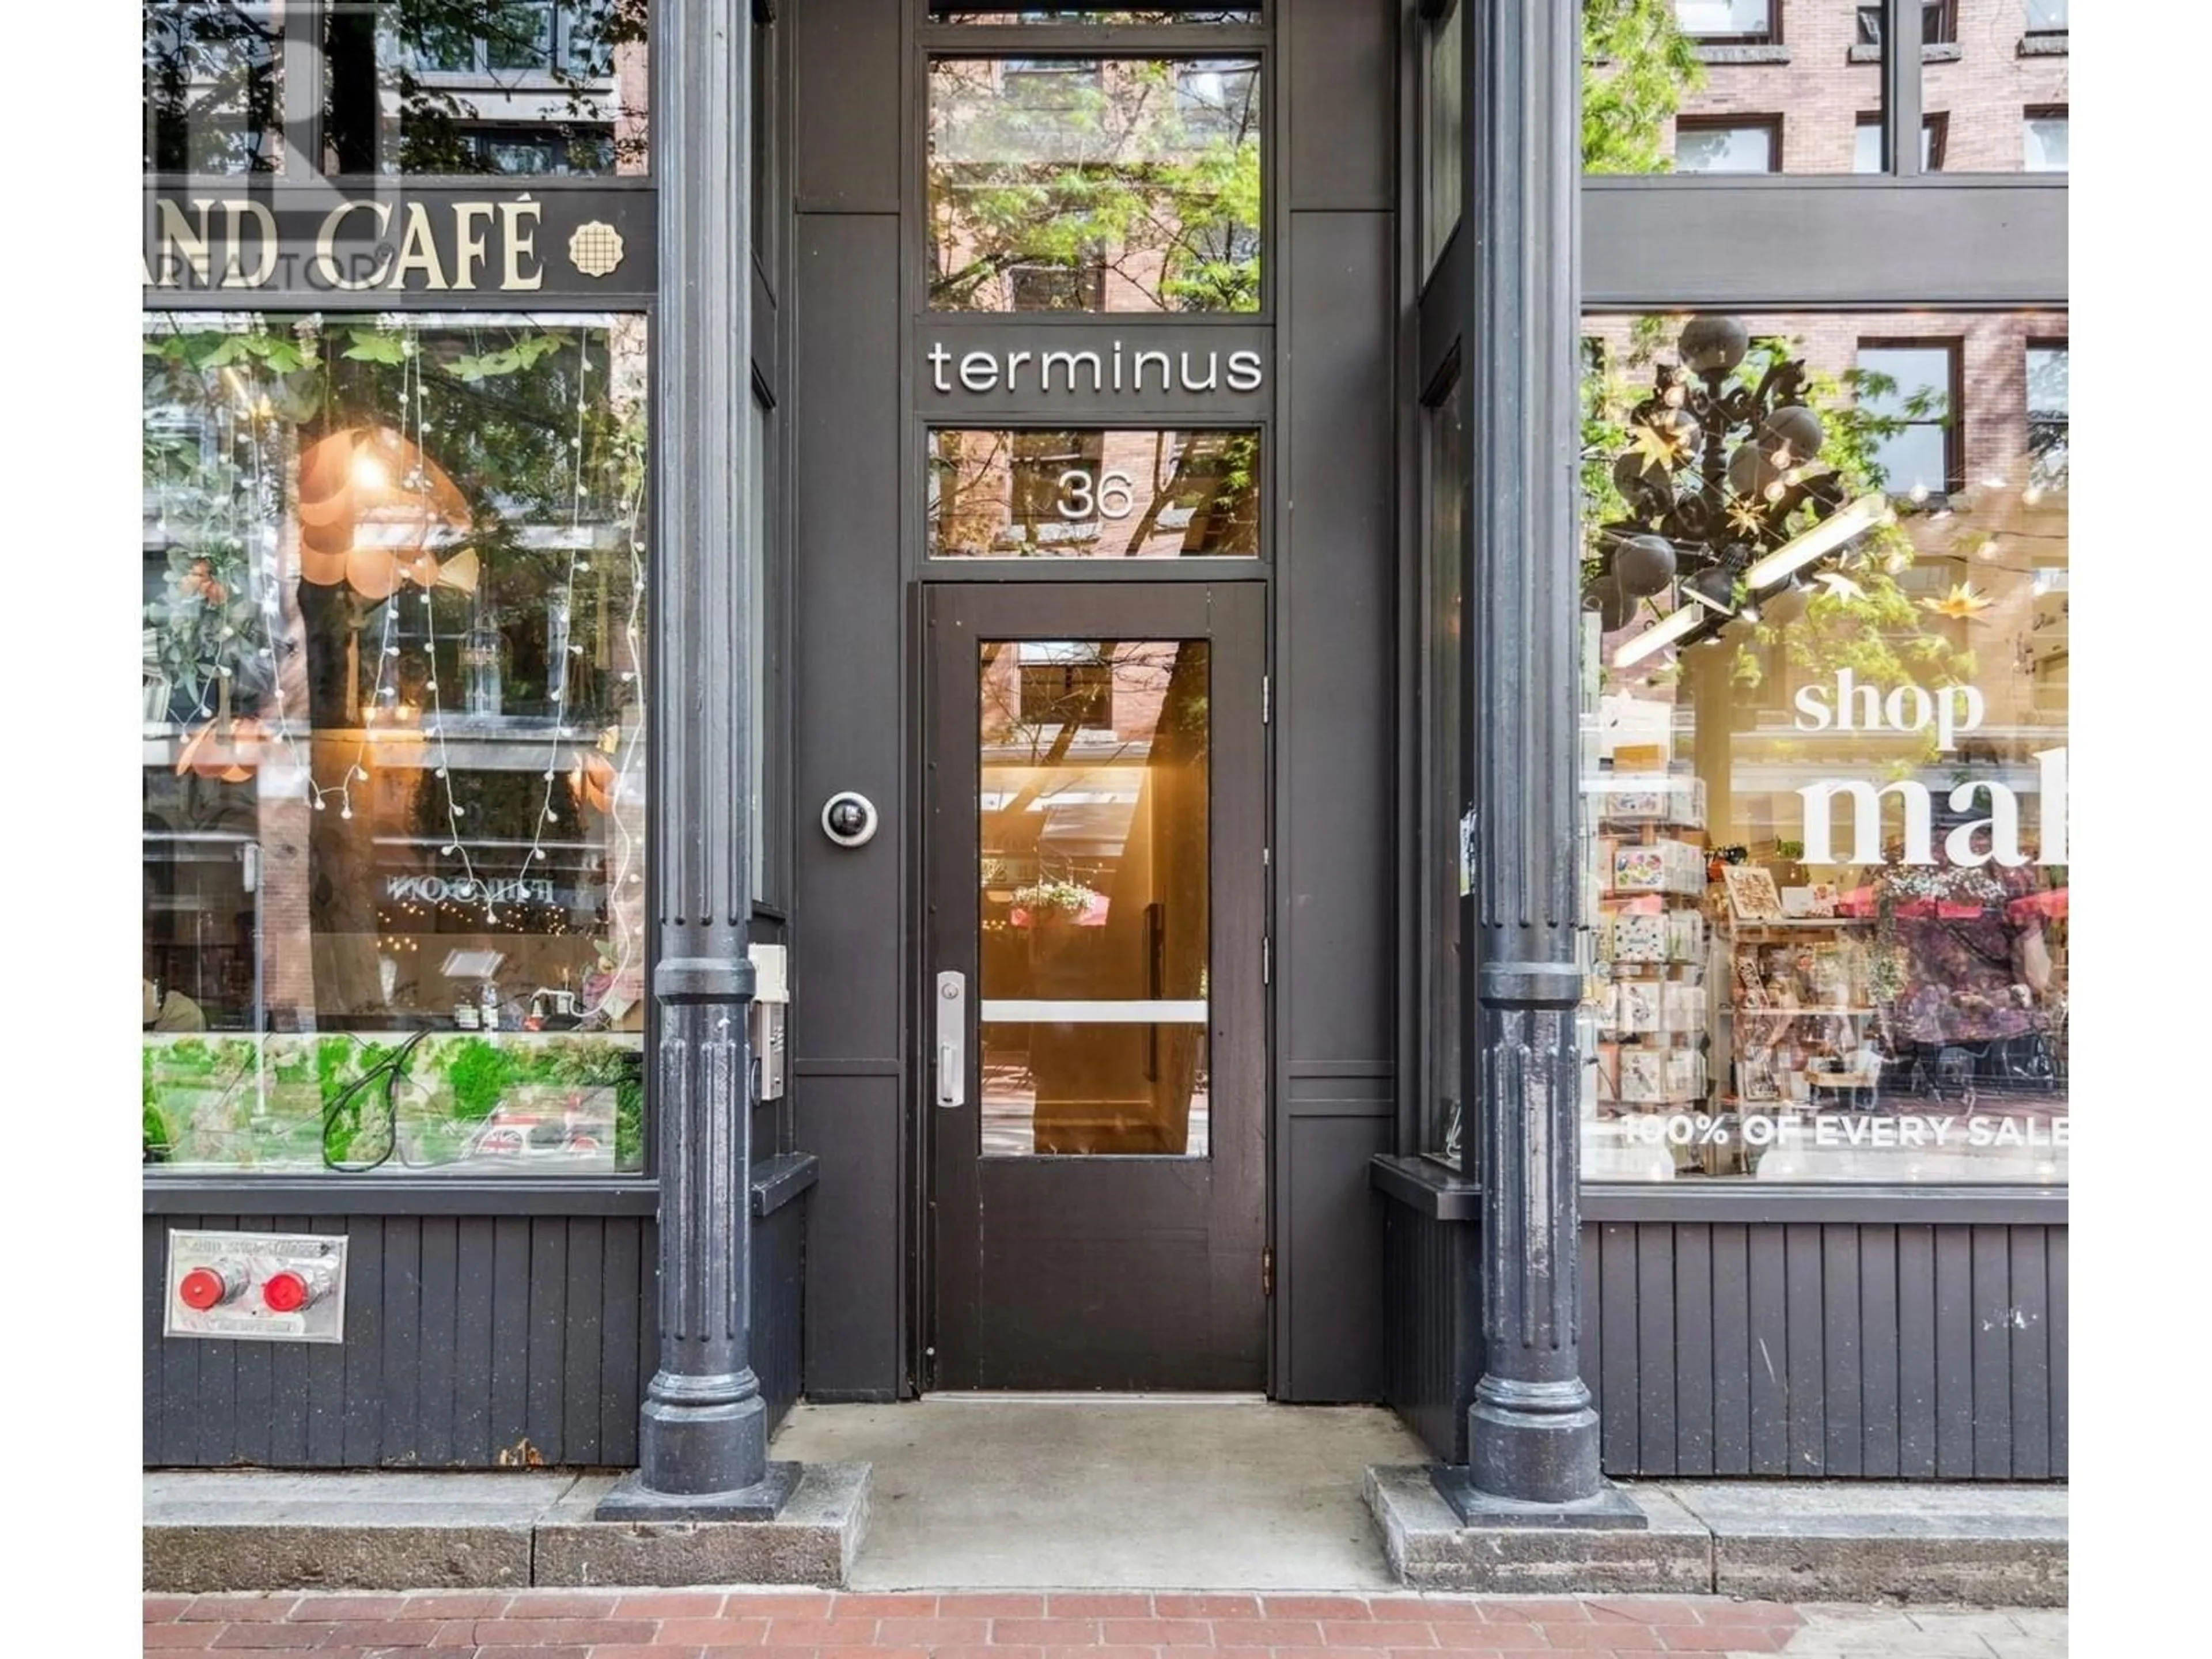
852	1239
846	106
1844	1384
1916	1352
1342	141
1622	1377
1431	1352
1694	1350
1879	1348
463	1336
1335	751
1335	1225
1731	1354
2054	1250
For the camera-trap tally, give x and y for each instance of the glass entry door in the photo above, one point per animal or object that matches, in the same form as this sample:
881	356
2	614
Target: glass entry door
1095	1067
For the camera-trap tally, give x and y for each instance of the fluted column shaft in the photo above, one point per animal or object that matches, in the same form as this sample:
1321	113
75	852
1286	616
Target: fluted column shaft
1532	1432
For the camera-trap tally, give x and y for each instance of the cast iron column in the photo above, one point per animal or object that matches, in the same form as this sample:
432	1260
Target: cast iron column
702	1446
1532	1432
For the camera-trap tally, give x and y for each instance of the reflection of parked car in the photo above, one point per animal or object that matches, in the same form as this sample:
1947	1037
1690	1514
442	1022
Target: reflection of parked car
569	1130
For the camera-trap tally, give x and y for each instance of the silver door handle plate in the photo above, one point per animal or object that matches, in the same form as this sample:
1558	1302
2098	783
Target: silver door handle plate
951	1038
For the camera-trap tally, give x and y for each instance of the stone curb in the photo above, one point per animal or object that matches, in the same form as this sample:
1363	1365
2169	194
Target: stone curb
1766	1541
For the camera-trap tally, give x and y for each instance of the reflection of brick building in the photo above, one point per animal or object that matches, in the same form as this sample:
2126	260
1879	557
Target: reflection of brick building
1795	86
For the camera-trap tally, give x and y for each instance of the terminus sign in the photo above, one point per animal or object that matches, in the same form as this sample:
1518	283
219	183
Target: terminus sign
596	242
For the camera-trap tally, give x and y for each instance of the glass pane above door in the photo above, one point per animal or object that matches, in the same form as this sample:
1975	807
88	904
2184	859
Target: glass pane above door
1093	494
1093	896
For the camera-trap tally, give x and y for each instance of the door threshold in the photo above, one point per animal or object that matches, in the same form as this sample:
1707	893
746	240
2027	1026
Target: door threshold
1088	1397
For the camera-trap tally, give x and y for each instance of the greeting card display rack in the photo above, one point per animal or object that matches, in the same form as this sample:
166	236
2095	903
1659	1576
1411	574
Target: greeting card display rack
1646	1000
1800	1022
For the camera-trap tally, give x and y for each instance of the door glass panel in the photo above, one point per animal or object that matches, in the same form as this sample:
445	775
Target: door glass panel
1093	842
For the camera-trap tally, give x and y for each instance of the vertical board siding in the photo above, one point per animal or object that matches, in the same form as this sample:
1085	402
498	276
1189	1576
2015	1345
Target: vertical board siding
470	1342
1829	1350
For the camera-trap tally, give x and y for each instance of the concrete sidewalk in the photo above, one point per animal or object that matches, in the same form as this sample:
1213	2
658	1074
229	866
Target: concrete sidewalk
1120	1625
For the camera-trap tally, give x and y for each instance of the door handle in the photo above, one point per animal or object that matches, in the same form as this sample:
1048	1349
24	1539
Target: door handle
951	1038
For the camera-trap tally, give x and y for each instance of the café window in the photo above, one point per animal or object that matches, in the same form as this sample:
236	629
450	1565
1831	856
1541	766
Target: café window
1823	755
393	743
512	86
1094	184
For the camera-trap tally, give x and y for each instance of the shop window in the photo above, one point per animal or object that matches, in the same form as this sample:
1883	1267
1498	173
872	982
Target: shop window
1700	85
1738	144
1145	171
1444	128
2043	133
1908	397
393	743
2047	421
212	85
1094	493
1731	22
1867	156
1824	755
1443	1129
516	86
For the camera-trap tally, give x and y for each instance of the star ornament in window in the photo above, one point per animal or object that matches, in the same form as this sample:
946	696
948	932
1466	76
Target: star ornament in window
1746	516
1962	604
1839	587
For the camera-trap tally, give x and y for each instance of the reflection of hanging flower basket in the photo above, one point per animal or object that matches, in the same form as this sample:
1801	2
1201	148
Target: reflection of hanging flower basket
1057	901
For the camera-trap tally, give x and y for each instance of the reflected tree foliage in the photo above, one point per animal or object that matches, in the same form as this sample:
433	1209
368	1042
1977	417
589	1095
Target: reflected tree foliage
1094	185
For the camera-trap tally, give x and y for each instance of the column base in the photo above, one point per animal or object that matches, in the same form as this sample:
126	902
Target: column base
1534	1443
1609	1508
631	1500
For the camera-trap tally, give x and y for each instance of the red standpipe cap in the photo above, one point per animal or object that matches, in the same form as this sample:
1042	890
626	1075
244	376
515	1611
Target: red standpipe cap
201	1289
285	1292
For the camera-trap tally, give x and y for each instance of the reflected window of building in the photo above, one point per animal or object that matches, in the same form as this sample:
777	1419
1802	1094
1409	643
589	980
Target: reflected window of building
518	87
2047	16
1735	22
212	85
2047	414
2043	133
1939	23
1116	183
1907	397
1868	157
997	14
1824	751
393	743
1728	145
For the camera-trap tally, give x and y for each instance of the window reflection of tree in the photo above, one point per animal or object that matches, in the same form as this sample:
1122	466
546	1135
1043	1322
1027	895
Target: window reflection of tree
1137	181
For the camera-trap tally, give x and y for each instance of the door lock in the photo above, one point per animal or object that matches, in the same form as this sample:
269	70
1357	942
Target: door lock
951	1038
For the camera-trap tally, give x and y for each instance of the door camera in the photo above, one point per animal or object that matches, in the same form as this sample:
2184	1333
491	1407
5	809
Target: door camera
849	818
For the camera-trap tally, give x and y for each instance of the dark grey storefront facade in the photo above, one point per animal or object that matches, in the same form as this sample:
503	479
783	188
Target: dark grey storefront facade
1758	1329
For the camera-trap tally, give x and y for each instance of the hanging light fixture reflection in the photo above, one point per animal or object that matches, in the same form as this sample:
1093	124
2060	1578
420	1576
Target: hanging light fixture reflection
370	504
1727	501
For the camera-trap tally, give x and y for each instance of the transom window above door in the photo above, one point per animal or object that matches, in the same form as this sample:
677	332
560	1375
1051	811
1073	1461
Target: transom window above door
1094	184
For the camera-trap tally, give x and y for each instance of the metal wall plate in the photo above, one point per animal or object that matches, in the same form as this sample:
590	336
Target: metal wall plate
259	1287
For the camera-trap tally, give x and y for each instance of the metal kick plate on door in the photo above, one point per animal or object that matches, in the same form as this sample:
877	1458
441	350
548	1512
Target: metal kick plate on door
951	1038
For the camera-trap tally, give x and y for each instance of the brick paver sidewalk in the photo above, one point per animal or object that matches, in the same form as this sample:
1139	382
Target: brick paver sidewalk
818	1625
812	1624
